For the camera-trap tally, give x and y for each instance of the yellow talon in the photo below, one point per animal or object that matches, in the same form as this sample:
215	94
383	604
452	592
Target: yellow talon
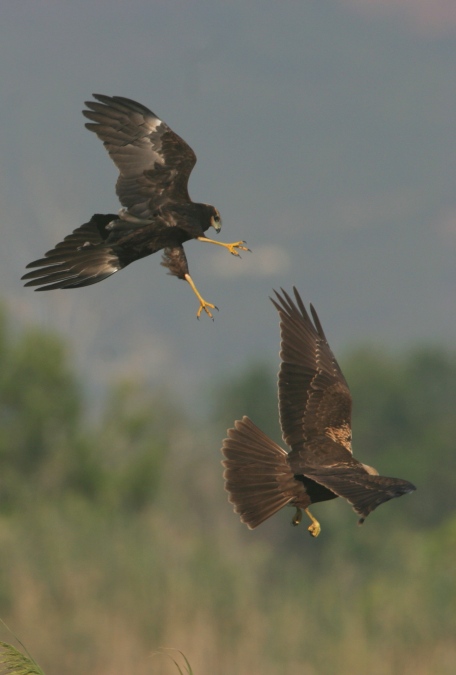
297	517
232	248
203	304
315	527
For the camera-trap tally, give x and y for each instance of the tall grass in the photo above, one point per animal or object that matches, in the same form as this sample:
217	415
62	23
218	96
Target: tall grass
98	593
15	662
117	540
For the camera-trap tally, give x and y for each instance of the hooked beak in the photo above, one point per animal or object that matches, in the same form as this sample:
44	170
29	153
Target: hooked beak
216	225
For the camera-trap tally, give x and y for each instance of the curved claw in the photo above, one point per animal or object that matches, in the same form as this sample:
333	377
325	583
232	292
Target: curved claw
315	527
237	246
232	248
204	305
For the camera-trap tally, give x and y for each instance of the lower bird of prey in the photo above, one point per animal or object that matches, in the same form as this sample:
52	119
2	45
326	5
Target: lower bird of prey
315	416
154	167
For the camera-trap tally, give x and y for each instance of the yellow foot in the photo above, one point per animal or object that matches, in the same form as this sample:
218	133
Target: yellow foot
237	246
297	517
233	248
315	527
205	305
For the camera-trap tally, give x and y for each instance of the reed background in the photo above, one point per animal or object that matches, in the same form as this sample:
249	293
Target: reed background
117	539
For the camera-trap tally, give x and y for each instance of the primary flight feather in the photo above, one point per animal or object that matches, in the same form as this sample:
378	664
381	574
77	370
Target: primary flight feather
154	167
315	416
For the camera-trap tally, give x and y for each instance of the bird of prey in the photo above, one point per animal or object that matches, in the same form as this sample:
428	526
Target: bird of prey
315	416
154	167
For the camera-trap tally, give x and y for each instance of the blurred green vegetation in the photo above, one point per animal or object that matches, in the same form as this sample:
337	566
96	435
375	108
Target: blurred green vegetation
117	539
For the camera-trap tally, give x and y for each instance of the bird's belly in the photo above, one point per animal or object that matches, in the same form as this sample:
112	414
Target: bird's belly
314	491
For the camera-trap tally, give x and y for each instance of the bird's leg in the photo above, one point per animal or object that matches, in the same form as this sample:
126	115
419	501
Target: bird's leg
203	304
315	527
297	517
232	248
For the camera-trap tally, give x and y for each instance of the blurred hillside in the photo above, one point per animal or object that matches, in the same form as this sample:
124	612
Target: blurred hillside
325	135
117	538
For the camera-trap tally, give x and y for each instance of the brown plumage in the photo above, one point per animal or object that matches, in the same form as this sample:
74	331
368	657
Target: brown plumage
154	167
315	416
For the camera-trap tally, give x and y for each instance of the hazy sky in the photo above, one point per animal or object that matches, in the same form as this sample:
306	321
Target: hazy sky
325	135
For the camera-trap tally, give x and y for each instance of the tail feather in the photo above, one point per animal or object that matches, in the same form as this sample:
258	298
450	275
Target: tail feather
257	475
81	259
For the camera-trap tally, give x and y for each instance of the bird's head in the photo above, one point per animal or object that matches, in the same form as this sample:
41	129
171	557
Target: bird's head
216	221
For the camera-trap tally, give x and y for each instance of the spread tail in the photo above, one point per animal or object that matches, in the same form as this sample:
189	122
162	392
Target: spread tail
257	475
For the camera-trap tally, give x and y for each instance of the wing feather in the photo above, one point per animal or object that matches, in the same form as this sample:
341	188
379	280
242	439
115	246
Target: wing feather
153	161
327	463
314	398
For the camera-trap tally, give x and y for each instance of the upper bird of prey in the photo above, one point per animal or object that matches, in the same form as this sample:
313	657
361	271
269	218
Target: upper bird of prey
154	167
315	416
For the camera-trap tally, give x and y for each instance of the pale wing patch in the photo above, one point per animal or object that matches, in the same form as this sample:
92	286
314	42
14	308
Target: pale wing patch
341	435
369	469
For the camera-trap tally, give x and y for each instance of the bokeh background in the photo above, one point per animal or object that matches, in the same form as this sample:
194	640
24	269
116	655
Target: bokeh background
325	135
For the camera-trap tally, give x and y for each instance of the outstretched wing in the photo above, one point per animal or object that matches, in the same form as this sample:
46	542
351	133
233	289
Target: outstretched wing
154	162
330	465
314	399
81	259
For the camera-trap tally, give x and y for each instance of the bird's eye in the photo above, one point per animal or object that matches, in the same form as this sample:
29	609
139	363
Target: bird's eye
216	218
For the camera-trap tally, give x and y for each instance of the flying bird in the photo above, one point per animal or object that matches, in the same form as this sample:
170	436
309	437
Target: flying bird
154	168
315	416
